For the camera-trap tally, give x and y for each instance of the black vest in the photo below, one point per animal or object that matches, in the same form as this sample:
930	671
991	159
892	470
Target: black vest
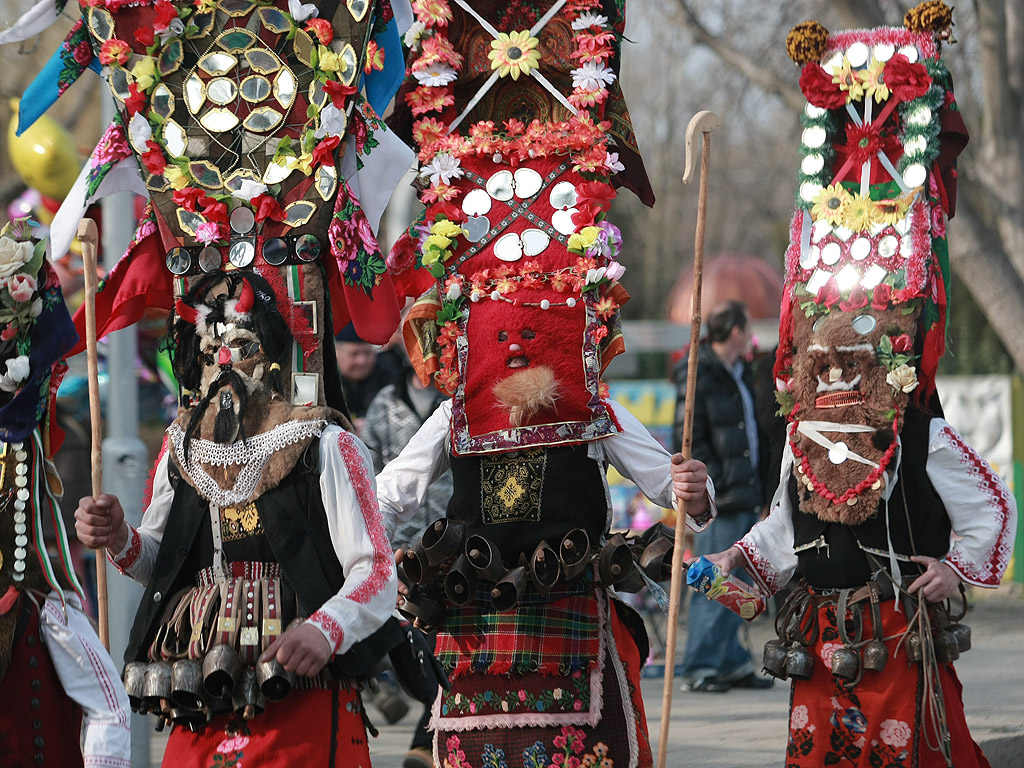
295	526
918	522
517	499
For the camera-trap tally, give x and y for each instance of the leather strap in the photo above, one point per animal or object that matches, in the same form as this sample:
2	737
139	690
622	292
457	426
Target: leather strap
202	614
271	626
249	619
227	620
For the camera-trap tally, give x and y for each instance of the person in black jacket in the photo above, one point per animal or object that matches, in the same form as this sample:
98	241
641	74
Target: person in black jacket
726	438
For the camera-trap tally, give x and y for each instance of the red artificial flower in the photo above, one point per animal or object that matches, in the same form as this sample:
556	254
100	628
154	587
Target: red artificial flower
153	158
338	92
188	198
144	36
136	100
819	89
114	51
165	14
857	300
902	343
599	333
321	29
214	210
585	215
829	293
906	81
881	296
449	211
8	333
595	192
863	142
323	152
374	57
266	207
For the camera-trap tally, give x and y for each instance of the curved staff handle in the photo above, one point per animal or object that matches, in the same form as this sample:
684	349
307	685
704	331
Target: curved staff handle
704	123
87	234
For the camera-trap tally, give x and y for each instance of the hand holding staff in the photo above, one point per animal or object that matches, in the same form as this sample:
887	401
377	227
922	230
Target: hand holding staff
88	236
704	123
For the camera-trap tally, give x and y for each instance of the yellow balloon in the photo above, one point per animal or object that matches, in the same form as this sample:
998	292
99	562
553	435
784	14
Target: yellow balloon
44	156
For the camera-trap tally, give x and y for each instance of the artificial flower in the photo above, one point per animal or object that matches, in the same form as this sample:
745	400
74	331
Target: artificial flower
214	210
859	212
427	131
175	177
902	378
165	14
437	74
208	232
248	189
585	99
902	343
265	207
606	307
144	36
611	162
338	91
863	142
114	51
153	158
301	11
413	35
874	81
514	54
17	371
321	29
442	169
830	203
424	99
374	57
819	88
188	198
615	271
21	286
439	193
846	77
592	76
447	380
440	48
828	294
594	46
881	295
323	152
580	241
136	100
144	72
906	81
332	122
857	299
205	6
446	228
890	210
433	13
599	333
175	29
587	20
330	61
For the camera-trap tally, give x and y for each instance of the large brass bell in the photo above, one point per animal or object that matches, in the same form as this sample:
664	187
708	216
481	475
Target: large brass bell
460	581
544	570
799	662
274	680
574	553
508	589
485	558
417	567
156	686
221	669
442	540
187	684
656	559
615	562
875	655
246	699
134	676
845	663
774	659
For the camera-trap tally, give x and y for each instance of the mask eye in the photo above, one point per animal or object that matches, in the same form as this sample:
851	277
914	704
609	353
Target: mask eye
502	335
528	334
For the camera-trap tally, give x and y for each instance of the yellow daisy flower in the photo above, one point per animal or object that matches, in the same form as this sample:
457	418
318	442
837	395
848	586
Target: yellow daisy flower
144	72
890	211
859	212
830	203
514	54
873	82
847	78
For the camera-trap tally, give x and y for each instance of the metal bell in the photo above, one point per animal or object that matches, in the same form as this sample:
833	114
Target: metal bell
156	686
134	676
845	663
913	644
460	581
221	669
508	589
875	655
656	559
962	633
423	607
416	566
946	648
187	684
274	680
574	553
615	561
544	570
774	659
193	719
246	699
799	662
485	557
442	540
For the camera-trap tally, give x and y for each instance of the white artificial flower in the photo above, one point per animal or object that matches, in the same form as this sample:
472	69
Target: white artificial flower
139	131
611	162
17	369
453	292
37	307
248	189
413	35
175	29
442	169
301	11
588	19
592	76
436	74
332	122
902	377
14	255
595	275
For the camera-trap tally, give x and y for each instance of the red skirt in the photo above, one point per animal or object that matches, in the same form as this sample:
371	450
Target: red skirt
308	728
881	722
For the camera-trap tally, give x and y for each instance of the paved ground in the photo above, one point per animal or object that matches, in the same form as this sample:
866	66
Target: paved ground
747	729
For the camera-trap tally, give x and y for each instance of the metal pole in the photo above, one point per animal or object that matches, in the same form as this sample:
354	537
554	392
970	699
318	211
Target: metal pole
124	454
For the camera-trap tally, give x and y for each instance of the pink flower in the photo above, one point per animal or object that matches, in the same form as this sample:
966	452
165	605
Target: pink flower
82	53
8	333
233	744
827	651
114	51
21	286
938	221
208	232
798	718
522	695
366	234
577	705
895	733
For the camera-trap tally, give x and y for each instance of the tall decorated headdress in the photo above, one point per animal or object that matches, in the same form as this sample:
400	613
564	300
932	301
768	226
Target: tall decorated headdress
522	135
867	270
250	126
35	334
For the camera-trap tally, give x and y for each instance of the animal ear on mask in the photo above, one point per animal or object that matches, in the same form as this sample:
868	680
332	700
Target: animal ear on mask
186	312
243	304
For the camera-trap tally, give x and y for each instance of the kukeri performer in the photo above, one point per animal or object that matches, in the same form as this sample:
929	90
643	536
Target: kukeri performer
63	704
884	511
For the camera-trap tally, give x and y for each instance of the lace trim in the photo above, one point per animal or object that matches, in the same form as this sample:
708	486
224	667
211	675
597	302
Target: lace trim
330	627
760	566
988	573
132	555
252	454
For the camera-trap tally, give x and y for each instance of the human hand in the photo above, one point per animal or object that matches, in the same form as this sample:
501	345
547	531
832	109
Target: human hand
302	650
728	560
403	588
937	583
99	522
689	484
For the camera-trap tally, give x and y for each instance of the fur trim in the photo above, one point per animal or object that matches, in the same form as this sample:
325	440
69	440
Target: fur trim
526	393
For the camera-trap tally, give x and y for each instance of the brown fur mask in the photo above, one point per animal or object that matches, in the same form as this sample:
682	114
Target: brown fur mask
838	378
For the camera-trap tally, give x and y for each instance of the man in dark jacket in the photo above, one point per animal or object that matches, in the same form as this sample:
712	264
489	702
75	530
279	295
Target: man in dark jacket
726	439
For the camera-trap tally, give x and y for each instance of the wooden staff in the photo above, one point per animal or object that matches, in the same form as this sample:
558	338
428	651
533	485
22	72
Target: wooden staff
87	236
703	122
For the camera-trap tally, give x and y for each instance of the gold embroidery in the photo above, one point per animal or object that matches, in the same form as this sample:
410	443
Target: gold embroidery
510	486
240	522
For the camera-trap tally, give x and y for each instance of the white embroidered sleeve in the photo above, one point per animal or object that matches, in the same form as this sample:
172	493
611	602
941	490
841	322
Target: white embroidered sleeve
403	484
641	459
981	509
138	555
768	547
367	597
